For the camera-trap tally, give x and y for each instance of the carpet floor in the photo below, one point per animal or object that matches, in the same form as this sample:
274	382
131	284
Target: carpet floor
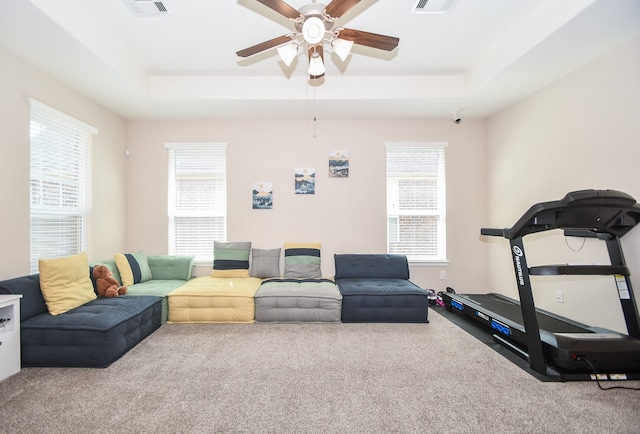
310	378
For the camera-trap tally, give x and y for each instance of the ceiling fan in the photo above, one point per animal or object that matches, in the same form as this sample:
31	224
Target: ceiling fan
314	24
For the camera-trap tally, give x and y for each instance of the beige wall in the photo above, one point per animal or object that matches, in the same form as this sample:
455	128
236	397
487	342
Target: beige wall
581	132
345	215
18	82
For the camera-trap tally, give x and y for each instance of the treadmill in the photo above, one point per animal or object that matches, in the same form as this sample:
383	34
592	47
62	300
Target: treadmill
554	346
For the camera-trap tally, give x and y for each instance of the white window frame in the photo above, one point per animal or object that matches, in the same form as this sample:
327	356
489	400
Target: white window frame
60	184
182	206
393	202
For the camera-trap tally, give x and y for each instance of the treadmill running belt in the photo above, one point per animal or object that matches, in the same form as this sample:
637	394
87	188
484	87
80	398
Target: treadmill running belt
510	309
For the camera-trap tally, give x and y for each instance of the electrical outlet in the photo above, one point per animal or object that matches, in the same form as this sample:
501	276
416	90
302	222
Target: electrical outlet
559	296
443	275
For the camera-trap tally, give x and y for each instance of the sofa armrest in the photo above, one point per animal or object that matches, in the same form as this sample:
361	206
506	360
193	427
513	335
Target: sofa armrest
32	302
165	267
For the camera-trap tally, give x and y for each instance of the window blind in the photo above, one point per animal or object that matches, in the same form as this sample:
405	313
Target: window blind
416	200
197	200
59	184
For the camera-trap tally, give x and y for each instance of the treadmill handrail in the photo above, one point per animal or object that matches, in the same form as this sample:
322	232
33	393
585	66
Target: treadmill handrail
492	232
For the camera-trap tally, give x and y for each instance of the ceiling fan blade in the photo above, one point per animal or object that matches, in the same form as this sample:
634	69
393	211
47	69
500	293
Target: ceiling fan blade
372	40
320	51
282	8
338	8
263	46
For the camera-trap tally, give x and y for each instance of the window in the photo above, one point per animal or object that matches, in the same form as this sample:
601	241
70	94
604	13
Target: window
197	198
59	184
416	201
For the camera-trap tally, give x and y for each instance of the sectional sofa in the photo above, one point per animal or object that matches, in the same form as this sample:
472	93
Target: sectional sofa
95	331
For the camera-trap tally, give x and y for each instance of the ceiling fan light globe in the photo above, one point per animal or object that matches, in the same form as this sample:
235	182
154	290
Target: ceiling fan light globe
316	66
288	52
313	30
342	48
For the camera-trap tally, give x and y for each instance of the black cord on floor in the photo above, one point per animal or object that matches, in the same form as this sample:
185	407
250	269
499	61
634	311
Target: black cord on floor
595	373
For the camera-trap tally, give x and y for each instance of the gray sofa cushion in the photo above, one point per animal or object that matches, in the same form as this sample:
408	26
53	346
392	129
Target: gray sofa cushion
293	300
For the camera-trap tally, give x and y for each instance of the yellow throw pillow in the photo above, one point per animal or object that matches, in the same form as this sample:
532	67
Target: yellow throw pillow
65	282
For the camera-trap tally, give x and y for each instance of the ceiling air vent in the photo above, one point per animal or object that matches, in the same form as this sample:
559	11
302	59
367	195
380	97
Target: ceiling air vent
146	8
434	6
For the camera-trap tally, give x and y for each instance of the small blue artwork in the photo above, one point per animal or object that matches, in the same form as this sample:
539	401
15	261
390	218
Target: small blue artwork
339	164
263	195
305	181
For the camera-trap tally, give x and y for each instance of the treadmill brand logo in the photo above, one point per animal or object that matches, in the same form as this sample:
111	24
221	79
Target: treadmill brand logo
517	254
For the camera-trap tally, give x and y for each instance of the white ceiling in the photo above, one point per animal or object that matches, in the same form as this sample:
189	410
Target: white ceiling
476	60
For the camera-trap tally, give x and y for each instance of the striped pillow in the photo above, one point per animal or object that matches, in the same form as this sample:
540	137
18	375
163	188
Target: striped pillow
133	267
231	259
302	261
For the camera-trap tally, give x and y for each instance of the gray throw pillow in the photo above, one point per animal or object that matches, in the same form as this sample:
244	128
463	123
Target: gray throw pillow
265	263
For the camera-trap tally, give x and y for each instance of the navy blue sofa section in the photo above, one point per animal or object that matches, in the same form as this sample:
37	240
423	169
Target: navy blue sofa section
93	335
376	288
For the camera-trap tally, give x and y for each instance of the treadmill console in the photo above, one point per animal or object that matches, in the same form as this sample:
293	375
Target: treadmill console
597	197
609	212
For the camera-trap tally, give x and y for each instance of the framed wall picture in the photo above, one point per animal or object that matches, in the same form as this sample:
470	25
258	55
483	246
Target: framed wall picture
339	164
305	181
263	195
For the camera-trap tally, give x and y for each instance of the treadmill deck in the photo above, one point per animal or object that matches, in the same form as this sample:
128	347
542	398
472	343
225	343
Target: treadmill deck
509	309
565	342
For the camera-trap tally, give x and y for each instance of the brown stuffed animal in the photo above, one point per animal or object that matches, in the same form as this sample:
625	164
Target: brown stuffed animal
105	283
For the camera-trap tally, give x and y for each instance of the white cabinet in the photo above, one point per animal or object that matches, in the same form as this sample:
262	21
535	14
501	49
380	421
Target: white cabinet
9	335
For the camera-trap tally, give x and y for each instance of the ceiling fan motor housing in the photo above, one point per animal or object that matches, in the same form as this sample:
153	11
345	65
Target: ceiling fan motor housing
313	30
313	23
